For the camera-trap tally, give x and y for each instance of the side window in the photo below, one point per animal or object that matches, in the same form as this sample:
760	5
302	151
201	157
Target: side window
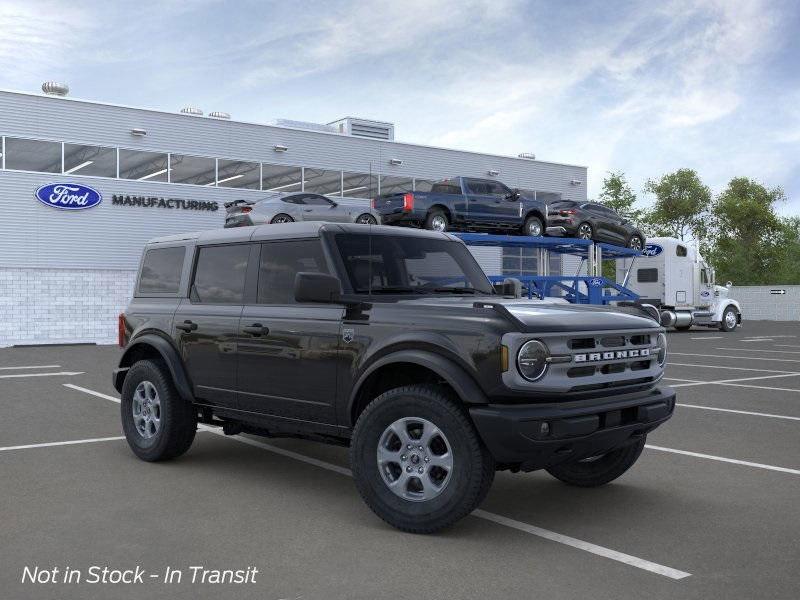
219	275
280	262
647	275
315	200
161	271
680	251
299	199
497	189
703	276
477	187
446	187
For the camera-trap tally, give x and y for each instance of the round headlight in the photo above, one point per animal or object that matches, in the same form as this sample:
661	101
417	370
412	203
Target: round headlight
661	348
532	360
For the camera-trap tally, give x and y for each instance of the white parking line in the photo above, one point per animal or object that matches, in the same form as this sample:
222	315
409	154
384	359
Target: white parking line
732	381
787	346
707	337
757	340
760	350
92	392
739	412
633	561
748	358
67	443
31	367
723	459
581	545
65	373
731	368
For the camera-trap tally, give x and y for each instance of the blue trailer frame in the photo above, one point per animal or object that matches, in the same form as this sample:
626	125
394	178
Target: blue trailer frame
578	289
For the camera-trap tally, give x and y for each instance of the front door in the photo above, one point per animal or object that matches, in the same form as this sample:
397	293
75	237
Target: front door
319	208
207	323
288	352
480	202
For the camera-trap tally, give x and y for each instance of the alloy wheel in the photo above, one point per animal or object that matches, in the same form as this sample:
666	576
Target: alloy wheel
146	408
635	243
415	459
730	319
438	223
585	231
366	220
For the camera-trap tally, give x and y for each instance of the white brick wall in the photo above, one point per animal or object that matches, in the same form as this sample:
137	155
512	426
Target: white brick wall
759	304
61	306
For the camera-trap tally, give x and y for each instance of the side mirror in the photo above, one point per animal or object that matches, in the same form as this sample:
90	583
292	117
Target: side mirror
514	195
729	284
334	204
316	287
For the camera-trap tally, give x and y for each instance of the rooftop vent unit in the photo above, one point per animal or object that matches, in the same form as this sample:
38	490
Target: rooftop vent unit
493	172
219	115
376	130
192	110
303	125
527	155
53	88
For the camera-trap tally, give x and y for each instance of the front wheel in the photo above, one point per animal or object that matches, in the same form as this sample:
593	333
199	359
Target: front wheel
417	460
729	319
635	243
601	469
533	227
158	423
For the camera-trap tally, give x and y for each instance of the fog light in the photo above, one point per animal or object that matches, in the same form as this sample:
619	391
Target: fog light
544	428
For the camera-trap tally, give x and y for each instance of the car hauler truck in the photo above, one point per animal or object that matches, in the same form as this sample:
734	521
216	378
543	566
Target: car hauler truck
672	276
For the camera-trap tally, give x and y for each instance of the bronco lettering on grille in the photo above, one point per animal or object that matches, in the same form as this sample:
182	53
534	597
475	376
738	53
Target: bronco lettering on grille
616	355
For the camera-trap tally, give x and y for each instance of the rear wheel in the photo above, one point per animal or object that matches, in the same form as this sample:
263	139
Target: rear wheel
158	423
417	460
729	319
367	219
533	227
585	231
436	220
282	218
601	469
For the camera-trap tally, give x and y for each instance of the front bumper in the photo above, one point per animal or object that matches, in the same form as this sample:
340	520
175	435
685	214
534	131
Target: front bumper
516	435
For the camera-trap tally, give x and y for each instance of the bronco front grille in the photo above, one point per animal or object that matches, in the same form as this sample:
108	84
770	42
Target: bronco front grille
610	354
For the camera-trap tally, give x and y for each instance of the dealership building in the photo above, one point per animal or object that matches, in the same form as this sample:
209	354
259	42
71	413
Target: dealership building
66	274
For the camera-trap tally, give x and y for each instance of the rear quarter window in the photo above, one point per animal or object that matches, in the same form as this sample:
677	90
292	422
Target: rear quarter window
161	271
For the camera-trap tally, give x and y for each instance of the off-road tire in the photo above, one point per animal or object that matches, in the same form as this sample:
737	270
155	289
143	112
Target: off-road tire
531	222
723	326
608	467
683	328
431	218
178	417
473	466
282	218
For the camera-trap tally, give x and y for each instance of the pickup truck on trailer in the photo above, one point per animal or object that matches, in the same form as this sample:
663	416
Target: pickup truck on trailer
393	342
466	204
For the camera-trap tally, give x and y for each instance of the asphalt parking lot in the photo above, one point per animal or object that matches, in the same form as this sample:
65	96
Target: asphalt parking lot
710	511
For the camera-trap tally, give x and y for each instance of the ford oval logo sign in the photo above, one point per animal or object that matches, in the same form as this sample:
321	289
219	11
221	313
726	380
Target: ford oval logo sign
652	250
596	282
68	196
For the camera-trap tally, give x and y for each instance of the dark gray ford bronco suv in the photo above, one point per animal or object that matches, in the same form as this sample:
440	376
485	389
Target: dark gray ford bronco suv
393	342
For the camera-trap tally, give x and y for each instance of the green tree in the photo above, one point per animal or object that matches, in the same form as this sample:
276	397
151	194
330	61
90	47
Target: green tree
750	243
618	195
681	206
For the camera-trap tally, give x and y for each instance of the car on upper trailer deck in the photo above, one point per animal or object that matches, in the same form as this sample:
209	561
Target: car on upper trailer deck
593	221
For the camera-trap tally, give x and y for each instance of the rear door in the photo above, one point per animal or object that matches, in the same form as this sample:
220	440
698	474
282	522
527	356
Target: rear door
288	352
206	325
480	201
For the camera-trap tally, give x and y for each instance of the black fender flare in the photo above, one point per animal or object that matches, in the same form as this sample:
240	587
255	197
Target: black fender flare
462	382
168	353
535	212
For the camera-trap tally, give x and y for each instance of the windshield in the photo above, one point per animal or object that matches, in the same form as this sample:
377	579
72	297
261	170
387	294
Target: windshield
388	264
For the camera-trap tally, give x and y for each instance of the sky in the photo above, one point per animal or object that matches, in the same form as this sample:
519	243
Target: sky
639	87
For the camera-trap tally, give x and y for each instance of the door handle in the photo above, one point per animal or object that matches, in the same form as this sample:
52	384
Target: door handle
186	326
256	329
308	209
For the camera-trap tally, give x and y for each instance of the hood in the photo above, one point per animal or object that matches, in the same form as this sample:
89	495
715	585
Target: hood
721	291
545	316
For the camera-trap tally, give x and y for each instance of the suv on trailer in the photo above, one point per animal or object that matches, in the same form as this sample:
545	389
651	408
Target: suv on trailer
391	341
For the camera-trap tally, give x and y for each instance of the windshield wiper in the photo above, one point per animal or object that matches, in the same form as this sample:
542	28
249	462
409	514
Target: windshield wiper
389	290
458	290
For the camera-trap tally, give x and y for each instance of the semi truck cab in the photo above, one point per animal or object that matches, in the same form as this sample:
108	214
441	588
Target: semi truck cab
673	276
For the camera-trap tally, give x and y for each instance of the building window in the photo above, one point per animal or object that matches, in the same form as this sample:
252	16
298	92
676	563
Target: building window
33	155
143	166
359	185
396	185
321	181
195	170
279	178
238	174
423	185
90	160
